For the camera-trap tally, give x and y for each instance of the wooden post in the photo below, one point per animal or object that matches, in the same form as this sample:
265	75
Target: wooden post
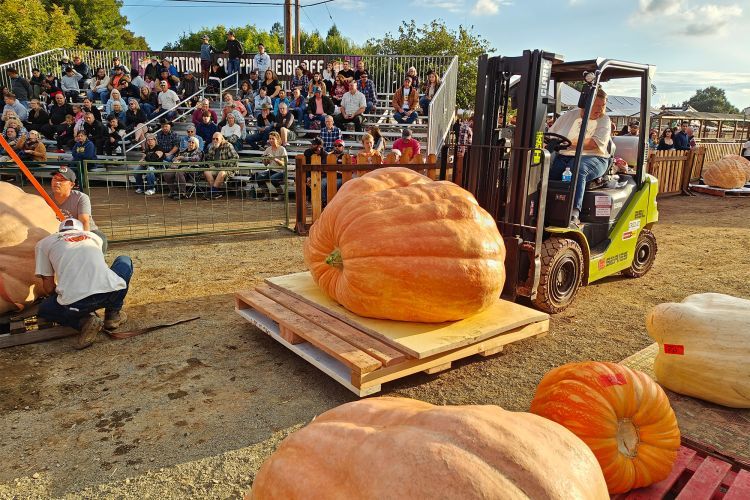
300	194
297	42
288	26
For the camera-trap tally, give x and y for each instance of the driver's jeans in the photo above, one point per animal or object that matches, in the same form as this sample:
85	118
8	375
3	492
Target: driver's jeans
590	168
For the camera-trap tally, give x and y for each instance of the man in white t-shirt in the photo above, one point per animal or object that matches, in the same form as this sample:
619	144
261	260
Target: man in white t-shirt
168	99
353	104
594	156
73	258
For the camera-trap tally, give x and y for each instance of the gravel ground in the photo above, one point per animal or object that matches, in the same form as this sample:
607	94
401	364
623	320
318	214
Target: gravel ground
193	410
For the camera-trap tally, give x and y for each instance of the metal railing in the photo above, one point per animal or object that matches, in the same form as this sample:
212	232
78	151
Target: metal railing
442	109
223	88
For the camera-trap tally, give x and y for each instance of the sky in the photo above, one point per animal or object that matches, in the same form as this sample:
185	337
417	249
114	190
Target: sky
692	43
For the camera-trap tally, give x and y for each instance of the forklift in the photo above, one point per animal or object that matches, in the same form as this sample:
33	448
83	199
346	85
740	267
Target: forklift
507	169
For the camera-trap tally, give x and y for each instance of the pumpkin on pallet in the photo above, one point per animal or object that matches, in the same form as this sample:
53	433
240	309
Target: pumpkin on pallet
704	347
394	244
24	220
403	448
621	414
742	162
727	173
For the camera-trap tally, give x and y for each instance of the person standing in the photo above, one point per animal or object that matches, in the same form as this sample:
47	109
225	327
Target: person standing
77	281
234	50
74	203
261	60
19	86
681	138
206	57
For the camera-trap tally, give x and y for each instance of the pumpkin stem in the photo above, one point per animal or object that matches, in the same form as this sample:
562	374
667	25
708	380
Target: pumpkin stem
334	259
627	438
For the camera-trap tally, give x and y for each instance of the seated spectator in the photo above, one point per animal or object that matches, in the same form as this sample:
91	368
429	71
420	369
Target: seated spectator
412	73
57	113
300	81
33	148
360	70
315	81
99	86
36	81
206	129
634	128
431	86
407	144
369	155
347	73
405	102
83	149
202	107
118	111
135	120
70	85
231	105
114	97
305	71
166	65
175	175
285	125
153	158
220	150
38	116
11	120
168	141
232	132
275	158
188	87
191	130
340	88
215	76
136	80
50	88
19	86
88	107
82	69
246	96
254	82
168	101
280	99
338	151
116	63
12	103
96	131
127	90
115	133
329	77
261	100
153	68
14	140
379	141
367	87
148	101
265	125
297	106
271	83
118	72
230	110
149	82
329	134
318	107
353	105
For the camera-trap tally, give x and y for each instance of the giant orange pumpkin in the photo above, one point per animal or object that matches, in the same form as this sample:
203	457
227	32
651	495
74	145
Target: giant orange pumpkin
385	448
24	220
726	173
394	244
622	415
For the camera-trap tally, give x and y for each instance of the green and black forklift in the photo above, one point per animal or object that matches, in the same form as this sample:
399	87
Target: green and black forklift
507	169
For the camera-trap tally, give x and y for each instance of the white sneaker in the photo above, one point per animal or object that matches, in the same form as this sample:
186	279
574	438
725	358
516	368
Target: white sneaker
149	192
139	191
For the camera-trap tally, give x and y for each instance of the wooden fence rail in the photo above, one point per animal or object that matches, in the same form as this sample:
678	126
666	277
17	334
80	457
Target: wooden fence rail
718	150
675	169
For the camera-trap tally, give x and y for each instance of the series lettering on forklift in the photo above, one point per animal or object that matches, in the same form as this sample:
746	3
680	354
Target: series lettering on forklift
620	257
538	145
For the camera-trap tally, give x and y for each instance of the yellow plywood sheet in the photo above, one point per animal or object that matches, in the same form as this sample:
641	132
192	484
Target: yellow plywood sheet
417	339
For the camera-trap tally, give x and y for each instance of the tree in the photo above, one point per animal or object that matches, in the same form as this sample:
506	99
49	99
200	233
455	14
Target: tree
101	25
28	28
250	36
435	38
711	100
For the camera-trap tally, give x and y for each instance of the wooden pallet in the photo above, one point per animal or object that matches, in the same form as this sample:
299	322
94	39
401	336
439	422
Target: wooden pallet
698	474
714	191
362	353
26	327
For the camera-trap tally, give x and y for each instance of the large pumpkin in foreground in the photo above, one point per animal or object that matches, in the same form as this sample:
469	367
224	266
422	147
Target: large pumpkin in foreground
622	414
394	448
726	173
397	245
741	162
24	220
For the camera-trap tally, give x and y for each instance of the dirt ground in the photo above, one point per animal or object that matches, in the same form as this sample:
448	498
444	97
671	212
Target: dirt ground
193	410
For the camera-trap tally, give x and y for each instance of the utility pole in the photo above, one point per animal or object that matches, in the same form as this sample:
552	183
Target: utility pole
288	48
297	41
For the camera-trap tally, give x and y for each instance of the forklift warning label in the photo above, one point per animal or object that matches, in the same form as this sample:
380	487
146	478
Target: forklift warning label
627	235
634	225
603	211
602	201
674	349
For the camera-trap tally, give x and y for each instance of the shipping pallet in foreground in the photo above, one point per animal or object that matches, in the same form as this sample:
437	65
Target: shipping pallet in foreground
698	474
361	353
25	327
714	191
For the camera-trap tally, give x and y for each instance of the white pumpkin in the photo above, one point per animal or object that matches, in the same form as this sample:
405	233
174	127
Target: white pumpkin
704	347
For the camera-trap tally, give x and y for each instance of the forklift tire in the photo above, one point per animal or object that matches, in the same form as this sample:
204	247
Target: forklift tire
560	276
645	254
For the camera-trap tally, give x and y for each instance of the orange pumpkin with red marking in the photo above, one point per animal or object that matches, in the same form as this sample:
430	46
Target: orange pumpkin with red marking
621	414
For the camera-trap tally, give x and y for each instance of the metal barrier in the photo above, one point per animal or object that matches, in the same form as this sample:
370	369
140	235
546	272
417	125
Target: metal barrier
442	109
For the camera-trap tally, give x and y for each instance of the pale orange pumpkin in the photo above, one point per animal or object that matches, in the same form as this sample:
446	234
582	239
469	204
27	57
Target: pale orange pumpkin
24	220
622	414
385	448
394	244
741	162
726	173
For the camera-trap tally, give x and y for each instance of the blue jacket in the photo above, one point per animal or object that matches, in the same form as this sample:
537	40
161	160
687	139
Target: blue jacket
85	151
681	141
206	131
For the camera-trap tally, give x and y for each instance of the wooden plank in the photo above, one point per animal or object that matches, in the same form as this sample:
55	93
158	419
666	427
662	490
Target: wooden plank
658	490
418	340
56	332
740	488
375	348
438	368
316	194
332	186
705	481
346	177
290	336
351	356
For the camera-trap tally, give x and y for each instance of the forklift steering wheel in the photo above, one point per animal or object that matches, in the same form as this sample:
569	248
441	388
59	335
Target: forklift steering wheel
557	141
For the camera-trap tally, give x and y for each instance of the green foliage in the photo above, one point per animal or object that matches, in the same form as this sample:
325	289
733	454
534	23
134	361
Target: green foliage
28	28
435	38
711	100
101	25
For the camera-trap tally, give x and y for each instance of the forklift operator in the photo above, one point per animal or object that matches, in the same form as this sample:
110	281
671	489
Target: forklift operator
594	157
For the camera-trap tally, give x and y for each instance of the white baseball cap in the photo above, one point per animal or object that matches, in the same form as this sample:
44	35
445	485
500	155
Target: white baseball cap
70	224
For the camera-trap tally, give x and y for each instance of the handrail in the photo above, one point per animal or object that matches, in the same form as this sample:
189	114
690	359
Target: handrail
442	108
157	117
19	61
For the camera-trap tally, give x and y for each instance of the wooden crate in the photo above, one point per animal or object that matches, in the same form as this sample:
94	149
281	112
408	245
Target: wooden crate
26	327
363	353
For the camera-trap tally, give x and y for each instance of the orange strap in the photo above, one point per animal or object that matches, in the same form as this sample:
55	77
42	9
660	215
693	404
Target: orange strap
31	178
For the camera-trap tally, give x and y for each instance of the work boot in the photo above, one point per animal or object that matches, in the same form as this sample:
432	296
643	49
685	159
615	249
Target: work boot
113	319
90	329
